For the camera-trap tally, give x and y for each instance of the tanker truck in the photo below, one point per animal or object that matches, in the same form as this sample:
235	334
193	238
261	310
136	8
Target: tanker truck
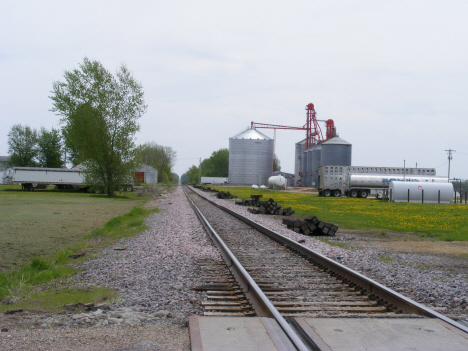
362	181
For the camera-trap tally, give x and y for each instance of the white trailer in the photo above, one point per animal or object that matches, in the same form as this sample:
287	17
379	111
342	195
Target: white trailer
214	180
421	192
31	178
361	181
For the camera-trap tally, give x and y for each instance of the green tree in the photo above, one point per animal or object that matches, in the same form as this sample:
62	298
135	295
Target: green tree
191	176
49	148
217	165
276	163
99	121
22	146
160	157
175	177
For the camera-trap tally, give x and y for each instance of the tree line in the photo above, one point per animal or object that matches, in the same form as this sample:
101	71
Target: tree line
99	113
31	148
217	165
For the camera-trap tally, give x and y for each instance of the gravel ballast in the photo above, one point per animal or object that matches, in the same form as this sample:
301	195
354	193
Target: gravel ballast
445	291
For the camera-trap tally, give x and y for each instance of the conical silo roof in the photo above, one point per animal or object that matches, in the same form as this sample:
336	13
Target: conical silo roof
251	134
336	141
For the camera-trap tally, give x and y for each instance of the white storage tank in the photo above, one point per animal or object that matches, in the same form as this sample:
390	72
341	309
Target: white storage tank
421	192
278	181
250	158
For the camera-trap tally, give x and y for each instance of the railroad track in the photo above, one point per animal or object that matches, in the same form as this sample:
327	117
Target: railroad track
269	275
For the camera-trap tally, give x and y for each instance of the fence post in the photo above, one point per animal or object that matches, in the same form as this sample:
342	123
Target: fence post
438	198
422	196
466	193
408	195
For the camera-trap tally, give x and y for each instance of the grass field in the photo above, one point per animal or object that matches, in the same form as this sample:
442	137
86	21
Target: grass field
40	230
441	221
40	223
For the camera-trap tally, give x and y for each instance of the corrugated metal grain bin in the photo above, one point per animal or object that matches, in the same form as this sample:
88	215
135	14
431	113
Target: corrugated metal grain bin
250	158
421	192
300	148
316	161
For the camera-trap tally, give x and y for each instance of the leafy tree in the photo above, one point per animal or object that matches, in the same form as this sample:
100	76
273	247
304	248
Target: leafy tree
184	178
99	121
175	178
49	148
22	146
160	157
217	165
191	176
276	163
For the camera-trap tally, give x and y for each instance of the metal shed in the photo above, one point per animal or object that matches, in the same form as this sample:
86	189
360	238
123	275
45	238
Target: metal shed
146	174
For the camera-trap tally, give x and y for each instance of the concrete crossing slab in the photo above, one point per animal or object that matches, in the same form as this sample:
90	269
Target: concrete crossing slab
237	334
358	334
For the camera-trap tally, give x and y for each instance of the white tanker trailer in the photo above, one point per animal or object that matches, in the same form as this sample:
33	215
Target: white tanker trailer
31	178
362	185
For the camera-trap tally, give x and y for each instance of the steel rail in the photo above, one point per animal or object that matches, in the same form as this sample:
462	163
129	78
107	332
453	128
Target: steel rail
404	303
259	301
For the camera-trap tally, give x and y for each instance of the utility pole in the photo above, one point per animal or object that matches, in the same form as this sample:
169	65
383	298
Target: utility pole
449	159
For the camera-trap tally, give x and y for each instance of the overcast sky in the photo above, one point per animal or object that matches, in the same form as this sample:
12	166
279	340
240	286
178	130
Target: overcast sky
393	75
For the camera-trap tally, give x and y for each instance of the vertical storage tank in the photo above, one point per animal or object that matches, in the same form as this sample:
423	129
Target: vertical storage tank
300	148
250	158
316	161
334	152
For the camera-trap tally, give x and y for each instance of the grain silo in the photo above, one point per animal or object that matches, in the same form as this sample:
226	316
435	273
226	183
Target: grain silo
250	158
316	162
334	152
300	148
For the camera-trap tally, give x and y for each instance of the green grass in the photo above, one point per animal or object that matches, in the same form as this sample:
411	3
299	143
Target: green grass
56	299
124	226
440	221
386	259
333	243
29	285
42	222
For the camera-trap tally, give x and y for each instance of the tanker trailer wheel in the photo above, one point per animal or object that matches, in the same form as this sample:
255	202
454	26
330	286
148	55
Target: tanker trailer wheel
337	193
363	194
353	193
327	193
